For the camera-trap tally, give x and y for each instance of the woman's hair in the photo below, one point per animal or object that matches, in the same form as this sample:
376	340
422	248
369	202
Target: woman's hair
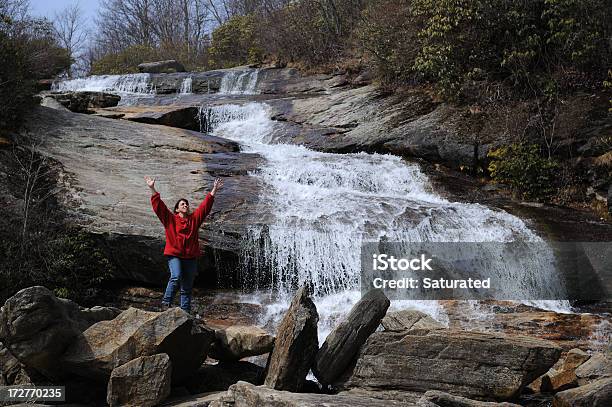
177	204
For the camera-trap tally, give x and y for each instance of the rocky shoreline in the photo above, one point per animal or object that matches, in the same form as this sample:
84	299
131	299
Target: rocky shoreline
373	357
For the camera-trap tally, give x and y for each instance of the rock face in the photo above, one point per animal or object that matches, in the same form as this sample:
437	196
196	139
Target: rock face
493	367
239	341
247	395
135	333
37	327
408	319
167	66
142	382
222	375
598	366
595	394
182	117
83	102
343	343
12	372
87	146
434	398
296	345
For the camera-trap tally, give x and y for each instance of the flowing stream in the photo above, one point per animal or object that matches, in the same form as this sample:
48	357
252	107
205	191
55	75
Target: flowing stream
325	205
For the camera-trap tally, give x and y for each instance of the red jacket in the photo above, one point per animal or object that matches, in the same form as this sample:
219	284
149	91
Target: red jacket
182	233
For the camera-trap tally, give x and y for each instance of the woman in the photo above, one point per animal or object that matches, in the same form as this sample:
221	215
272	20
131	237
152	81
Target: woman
182	245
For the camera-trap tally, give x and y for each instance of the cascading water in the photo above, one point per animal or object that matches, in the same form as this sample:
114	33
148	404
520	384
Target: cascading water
129	87
186	86
325	205
239	82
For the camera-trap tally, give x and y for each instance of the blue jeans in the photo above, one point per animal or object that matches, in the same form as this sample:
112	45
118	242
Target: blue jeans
182	271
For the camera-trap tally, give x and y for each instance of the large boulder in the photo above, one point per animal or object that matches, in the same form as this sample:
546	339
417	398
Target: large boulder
565	376
167	66
247	395
343	343
469	364
37	327
595	394
408	319
598	366
240	341
434	398
82	101
296	345
142	382
221	376
135	333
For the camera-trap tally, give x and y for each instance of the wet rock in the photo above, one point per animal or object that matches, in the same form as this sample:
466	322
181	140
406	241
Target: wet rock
598	366
565	377
236	342
50	102
135	333
439	398
493	367
595	394
296	345
408	319
222	375
247	395
343	343
142	382
167	66
37	327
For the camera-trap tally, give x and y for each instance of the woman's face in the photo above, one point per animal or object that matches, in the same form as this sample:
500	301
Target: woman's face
183	207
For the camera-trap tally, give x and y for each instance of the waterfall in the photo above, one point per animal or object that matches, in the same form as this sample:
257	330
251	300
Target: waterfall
129	87
186	86
239	82
325	205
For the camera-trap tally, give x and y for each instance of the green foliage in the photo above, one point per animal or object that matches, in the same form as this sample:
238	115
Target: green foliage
523	167
126	61
389	39
235	43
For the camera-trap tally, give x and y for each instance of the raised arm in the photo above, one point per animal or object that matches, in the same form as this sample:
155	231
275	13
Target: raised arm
204	209
159	207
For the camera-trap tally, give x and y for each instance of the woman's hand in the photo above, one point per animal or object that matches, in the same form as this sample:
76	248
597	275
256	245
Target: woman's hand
151	184
216	185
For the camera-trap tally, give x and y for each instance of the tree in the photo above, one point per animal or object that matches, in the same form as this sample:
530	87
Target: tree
69	25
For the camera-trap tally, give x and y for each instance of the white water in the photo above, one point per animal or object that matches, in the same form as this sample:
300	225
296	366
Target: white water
326	205
186	86
129	86
239	82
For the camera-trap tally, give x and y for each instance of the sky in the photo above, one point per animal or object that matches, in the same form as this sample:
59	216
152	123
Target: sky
47	8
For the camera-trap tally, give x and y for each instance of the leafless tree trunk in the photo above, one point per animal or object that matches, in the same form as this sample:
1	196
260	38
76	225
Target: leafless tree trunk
69	26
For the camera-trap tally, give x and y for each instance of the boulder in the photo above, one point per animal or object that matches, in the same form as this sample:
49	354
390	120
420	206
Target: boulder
296	345
434	398
222	375
598	366
135	333
142	382
240	341
81	101
470	364
565	377
595	394
342	344
167	66
12	372
408	319
244	394
50	102
183	117
37	327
